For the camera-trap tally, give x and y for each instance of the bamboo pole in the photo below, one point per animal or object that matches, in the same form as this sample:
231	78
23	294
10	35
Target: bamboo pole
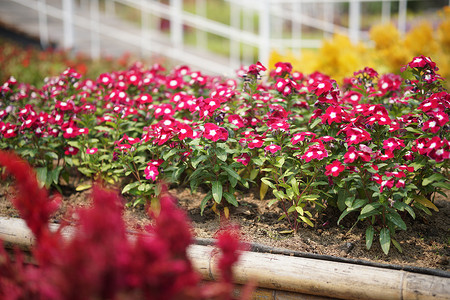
291	277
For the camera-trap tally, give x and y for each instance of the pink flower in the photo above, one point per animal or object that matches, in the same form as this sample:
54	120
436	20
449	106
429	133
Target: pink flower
70	150
321	87
316	151
185	131
334	169
272	148
392	144
333	114
298	137
351	155
236	120
91	150
244	158
214	133
386	183
151	172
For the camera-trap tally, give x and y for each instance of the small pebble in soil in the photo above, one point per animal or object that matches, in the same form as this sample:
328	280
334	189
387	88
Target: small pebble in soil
347	247
443	261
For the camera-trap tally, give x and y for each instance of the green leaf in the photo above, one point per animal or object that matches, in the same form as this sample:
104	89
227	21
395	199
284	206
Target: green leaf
385	240
425	202
294	185
401	206
198	160
315	123
254	173
263	190
75	144
217	191
51	155
83	186
396	219
442	184
397	245
170	153
344	213
433	178
300	210
221	154
369	210
41	174
204	201
266	181
272	202
307	221
369	236
230	198
231	172
130	186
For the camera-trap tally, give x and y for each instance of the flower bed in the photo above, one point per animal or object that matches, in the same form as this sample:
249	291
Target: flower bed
377	147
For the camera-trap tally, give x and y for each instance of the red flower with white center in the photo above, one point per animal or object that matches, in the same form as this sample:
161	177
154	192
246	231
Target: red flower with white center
255	69
272	148
352	97
281	69
151	172
429	104
351	155
214	133
91	150
237	121
441	117
431	125
405	167
392	144
9	130
316	113
434	144
439	154
255	142
420	146
64	106
105	79
299	137
144	99
277	124
355	135
326	138
155	162
70	150
185	131
316	151
3	114
286	86
321	87
174	83
333	114
367	72
379	119
70	132
386	183
386	156
334	169
244	158
400	184
83	131
421	62
396	174
164	110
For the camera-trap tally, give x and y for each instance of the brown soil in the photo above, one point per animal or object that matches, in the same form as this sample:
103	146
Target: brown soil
426	243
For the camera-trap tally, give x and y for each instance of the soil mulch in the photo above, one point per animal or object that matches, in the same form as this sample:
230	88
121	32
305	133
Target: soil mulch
426	243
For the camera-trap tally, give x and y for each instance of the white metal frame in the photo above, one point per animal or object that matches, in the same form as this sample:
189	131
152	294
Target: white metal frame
271	13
